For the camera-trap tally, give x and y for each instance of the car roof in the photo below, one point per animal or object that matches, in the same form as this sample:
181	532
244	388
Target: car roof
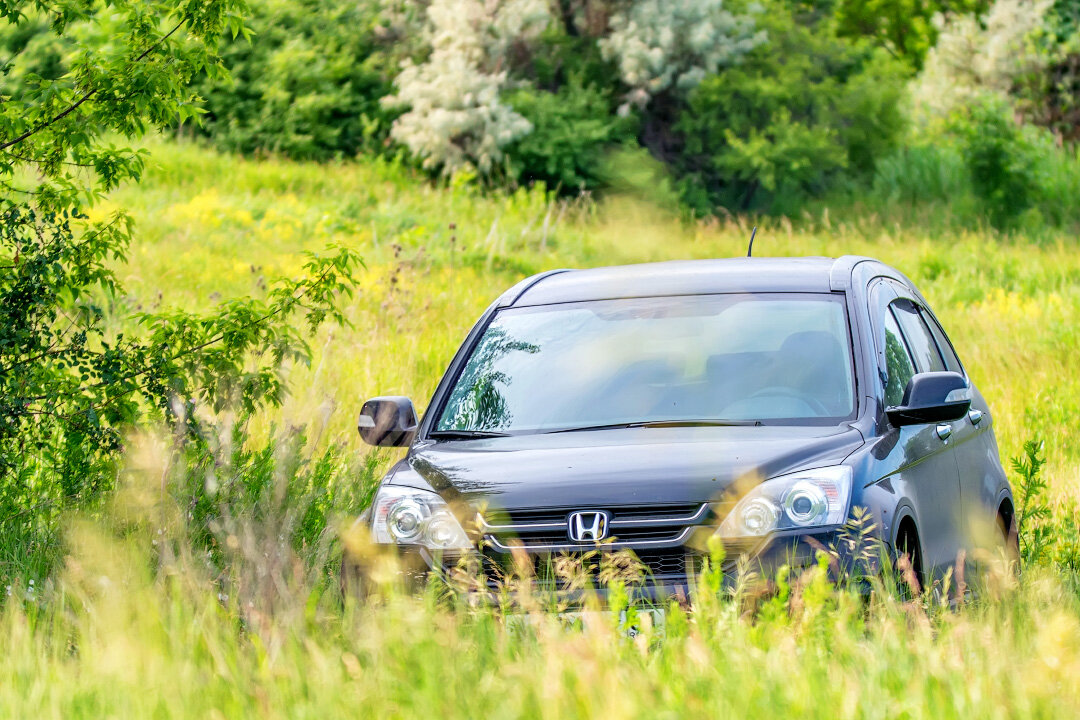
686	277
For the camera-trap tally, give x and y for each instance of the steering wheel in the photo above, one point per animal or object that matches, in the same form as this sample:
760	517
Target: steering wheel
781	391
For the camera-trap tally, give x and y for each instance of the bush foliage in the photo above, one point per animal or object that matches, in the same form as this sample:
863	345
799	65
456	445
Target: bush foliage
759	106
791	118
71	381
306	81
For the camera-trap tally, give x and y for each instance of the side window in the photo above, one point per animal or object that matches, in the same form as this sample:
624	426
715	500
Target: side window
919	340
897	362
952	363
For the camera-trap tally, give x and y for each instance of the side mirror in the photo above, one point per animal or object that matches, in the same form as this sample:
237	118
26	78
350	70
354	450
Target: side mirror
932	397
388	421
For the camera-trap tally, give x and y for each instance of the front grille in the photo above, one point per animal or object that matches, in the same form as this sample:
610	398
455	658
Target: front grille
669	563
593	568
634	527
646	544
618	514
672	567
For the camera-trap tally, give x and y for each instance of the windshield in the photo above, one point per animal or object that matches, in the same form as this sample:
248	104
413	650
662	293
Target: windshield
774	358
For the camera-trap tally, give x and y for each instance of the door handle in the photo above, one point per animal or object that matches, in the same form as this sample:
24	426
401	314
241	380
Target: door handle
975	416
944	431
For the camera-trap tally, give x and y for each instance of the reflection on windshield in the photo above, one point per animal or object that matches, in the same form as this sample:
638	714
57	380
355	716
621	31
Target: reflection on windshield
477	402
734	357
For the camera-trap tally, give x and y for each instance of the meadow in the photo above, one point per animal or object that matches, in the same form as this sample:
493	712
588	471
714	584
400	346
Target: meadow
139	623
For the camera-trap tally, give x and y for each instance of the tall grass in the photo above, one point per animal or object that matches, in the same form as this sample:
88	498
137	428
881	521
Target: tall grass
140	623
126	635
207	588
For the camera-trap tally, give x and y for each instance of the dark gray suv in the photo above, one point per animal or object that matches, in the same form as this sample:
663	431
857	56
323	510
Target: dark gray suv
651	407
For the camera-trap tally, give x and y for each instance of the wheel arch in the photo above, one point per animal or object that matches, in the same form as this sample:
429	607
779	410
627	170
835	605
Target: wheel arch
904	514
1005	499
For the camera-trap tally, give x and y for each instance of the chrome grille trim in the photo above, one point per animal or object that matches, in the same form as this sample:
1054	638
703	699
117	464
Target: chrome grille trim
614	522
661	522
515	527
576	547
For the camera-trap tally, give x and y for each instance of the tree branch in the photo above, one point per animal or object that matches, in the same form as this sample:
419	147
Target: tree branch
90	94
38	161
292	303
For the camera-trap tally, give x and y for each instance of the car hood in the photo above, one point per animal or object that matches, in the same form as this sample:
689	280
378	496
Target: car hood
630	466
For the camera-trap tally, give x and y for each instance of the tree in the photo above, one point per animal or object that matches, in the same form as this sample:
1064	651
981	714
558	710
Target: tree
456	118
790	119
70	383
906	27
308	84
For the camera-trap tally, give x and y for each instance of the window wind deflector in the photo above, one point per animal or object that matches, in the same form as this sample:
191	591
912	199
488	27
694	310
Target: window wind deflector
465	434
664	424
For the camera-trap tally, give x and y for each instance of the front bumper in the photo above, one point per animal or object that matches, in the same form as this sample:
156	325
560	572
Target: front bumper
657	576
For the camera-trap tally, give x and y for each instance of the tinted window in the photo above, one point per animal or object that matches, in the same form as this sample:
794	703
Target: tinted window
919	340
897	362
779	357
952	362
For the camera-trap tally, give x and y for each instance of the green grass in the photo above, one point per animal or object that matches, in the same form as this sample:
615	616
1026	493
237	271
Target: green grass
138	623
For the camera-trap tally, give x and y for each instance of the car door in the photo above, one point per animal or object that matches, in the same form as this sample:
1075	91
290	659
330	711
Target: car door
931	450
976	451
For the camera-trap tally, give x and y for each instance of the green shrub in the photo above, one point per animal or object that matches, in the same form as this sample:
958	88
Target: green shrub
297	489
1034	533
573	131
1049	93
307	84
792	118
982	166
1001	158
923	171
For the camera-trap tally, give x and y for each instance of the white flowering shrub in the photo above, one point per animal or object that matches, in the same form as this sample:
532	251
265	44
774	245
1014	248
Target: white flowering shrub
976	58
456	119
658	45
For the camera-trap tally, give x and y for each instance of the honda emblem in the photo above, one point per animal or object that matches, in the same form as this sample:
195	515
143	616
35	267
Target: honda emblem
588	526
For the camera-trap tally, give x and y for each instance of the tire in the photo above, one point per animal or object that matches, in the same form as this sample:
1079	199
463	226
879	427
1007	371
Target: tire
907	545
1010	536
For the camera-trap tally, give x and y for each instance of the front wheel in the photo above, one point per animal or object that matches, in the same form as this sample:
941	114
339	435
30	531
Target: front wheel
1010	535
908	562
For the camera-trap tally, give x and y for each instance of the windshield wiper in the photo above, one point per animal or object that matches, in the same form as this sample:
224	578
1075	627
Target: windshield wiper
465	434
664	424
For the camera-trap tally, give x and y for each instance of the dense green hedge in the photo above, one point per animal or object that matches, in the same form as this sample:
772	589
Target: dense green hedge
307	83
805	99
797	114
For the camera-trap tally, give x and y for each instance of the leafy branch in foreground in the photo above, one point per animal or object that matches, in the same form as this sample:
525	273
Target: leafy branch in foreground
69	386
77	367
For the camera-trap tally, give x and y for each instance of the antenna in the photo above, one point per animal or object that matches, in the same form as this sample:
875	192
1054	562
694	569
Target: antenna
750	250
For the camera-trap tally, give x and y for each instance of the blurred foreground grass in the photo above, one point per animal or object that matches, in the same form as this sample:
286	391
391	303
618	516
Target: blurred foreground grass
121	641
140	623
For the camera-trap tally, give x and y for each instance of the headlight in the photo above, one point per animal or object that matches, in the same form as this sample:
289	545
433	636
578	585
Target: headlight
407	516
814	498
